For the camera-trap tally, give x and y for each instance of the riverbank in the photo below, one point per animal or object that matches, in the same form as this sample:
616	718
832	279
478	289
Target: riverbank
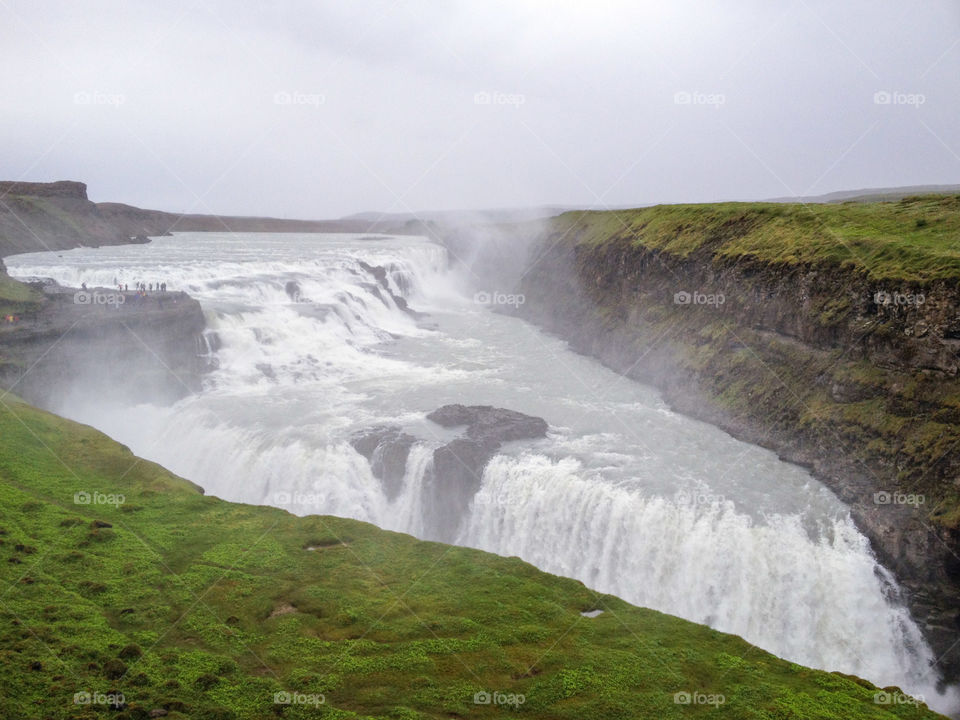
827	333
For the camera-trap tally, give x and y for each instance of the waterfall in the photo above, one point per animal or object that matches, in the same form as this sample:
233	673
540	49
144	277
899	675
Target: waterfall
820	601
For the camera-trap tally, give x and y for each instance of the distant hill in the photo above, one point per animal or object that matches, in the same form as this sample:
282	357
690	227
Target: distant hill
515	215
59	215
457	217
873	194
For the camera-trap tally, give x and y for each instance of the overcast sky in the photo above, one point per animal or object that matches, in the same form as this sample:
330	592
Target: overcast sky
320	109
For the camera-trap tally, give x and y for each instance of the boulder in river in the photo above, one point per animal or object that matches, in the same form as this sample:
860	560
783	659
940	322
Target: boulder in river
458	466
457	471
387	448
489	424
292	288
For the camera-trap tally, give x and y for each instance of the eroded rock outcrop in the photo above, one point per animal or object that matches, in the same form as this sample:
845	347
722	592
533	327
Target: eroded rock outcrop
387	448
114	347
458	465
382	288
487	424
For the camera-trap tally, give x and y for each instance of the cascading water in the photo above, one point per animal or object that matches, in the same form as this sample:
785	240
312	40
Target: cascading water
313	343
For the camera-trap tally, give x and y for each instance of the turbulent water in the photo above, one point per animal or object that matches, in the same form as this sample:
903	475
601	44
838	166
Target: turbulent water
623	494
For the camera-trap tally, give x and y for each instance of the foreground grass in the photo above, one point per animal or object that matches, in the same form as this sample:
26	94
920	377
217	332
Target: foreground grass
207	609
915	240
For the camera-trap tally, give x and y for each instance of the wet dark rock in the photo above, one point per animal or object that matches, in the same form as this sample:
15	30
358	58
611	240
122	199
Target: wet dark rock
458	466
455	478
489	424
378	272
292	289
366	442
387	448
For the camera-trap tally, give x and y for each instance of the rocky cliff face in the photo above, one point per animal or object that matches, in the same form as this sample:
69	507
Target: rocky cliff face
104	349
848	375
65	189
51	216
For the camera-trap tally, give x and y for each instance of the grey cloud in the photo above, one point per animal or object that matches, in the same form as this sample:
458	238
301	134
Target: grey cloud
322	109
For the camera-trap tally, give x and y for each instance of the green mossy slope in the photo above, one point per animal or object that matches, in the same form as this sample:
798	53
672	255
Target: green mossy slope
916	239
16	297
208	609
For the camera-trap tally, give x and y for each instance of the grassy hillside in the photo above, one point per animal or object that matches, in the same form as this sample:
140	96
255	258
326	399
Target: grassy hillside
122	578
914	240
15	297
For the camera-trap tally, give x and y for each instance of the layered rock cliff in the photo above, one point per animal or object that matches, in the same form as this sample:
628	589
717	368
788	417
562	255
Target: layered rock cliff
103	345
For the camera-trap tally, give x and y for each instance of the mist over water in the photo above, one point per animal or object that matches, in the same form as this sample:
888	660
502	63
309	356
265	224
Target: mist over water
623	494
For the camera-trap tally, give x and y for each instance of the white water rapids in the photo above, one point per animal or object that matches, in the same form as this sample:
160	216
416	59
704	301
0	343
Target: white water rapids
625	495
